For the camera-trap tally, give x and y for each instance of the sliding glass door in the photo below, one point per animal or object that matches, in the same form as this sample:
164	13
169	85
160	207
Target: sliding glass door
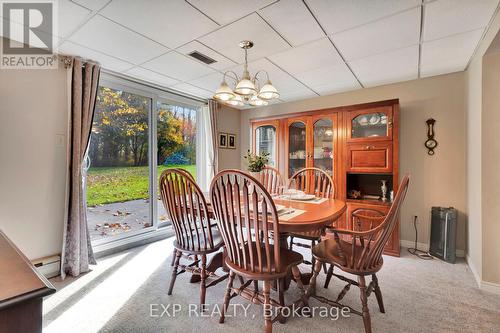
118	175
137	133
176	143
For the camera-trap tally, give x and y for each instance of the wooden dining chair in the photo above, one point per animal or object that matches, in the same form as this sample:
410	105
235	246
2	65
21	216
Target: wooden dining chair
271	179
247	219
187	174
361	255
195	237
311	181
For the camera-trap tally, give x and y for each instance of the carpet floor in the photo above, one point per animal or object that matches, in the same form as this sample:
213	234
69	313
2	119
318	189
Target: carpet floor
127	292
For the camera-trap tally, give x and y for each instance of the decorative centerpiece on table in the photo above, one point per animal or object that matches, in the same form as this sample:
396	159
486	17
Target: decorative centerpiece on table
256	163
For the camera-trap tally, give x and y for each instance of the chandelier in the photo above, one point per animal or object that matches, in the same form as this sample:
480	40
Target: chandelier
247	90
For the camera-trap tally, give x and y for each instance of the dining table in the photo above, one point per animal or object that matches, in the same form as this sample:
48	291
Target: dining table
294	216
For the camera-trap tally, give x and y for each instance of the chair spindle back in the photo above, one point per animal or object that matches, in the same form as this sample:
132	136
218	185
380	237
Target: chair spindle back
187	209
247	219
314	181
271	179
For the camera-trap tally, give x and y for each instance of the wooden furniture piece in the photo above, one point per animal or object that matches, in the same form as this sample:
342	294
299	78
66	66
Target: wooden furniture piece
22	290
247	218
271	179
361	256
311	181
195	236
357	145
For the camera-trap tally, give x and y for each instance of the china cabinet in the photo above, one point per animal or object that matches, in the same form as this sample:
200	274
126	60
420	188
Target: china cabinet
357	145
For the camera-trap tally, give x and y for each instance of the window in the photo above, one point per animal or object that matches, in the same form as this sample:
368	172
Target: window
137	133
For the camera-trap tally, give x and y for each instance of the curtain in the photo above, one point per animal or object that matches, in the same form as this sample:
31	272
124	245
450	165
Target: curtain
208	156
77	251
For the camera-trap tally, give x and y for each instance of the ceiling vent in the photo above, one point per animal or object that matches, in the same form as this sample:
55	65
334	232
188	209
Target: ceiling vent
201	57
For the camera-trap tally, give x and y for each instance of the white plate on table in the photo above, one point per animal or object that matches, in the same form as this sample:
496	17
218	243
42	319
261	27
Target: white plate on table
303	197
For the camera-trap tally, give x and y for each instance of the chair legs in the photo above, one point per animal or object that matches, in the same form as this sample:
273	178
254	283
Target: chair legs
268	325
173	257
364	303
227	296
203	288
281	294
290	247
178	255
329	275
378	293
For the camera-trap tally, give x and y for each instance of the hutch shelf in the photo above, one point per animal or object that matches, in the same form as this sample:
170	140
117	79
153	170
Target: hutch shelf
357	145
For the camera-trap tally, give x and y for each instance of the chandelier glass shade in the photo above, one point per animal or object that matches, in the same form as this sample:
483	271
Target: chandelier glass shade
246	90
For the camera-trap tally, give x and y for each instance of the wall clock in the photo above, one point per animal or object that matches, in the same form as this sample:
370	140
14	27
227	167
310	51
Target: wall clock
431	143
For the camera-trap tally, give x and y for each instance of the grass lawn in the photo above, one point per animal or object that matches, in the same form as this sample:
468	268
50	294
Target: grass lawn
119	184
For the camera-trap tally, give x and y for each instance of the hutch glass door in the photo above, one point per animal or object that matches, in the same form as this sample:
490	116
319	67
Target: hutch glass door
297	154
323	139
371	124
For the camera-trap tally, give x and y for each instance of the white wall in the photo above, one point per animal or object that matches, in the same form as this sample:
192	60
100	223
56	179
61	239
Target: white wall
33	124
435	181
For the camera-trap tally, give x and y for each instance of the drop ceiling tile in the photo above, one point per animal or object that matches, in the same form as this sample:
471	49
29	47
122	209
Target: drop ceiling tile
447	17
92	4
110	38
221	61
450	54
225	40
150	76
284	82
171	23
393	66
307	57
178	66
209	82
106	61
391	33
340	15
330	79
293	21
70	17
192	90
224	12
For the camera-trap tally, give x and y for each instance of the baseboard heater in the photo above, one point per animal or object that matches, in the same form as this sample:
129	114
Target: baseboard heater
48	266
443	233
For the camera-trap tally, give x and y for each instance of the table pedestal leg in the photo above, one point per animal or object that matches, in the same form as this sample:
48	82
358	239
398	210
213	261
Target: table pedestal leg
217	261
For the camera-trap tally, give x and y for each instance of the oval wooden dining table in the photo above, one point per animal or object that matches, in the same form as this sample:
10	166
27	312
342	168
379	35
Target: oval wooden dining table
315	216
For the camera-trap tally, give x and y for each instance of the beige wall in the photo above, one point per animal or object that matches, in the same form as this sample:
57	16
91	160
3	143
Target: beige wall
436	181
490	168
473	78
33	124
228	121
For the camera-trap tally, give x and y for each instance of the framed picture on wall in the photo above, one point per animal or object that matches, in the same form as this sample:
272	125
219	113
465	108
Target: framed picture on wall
223	140
231	141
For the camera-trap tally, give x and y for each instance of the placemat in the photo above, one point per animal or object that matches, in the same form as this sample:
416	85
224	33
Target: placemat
288	215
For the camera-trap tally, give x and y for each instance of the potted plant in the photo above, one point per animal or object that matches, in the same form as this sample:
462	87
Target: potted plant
256	162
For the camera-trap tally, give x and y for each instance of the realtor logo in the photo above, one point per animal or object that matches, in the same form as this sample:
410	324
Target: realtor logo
28	28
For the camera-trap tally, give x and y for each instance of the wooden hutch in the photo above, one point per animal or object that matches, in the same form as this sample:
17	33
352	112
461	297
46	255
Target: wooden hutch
358	145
